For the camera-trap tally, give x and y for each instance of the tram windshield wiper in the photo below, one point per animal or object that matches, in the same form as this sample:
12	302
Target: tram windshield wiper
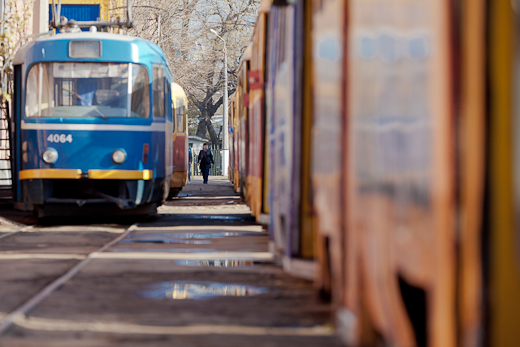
76	95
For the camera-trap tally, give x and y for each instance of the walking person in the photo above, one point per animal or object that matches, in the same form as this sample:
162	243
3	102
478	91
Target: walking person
190	160
205	160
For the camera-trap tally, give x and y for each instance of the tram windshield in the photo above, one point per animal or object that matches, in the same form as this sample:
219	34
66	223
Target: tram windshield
75	90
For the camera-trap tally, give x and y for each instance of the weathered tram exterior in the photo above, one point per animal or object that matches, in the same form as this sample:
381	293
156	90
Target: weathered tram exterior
256	122
399	172
275	121
233	159
242	107
180	139
393	126
501	241
92	125
328	143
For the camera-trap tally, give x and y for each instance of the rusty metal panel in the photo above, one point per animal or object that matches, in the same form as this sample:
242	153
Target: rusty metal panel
327	142
307	239
256	119
503	277
401	196
471	178
242	126
280	93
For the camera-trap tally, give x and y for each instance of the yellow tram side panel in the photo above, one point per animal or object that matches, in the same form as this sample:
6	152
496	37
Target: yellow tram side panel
504	276
265	7
265	174
243	109
387	238
236	182
257	111
472	149
180	178
307	236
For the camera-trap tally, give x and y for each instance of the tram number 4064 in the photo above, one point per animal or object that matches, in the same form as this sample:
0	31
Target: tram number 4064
59	138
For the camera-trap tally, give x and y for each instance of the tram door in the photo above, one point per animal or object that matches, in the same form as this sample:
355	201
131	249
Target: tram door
16	114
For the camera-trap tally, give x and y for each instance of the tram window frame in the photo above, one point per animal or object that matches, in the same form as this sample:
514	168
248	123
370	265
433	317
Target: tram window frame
135	81
180	112
158	91
168	104
174	113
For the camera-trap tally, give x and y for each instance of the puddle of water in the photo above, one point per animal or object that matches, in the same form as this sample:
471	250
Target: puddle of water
199	290
183	238
221	217
217	263
166	250
168	241
194	235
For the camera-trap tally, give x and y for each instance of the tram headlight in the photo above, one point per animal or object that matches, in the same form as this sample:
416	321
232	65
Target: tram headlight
119	156
50	156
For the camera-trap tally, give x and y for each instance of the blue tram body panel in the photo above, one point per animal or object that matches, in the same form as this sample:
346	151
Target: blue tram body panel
90	150
67	115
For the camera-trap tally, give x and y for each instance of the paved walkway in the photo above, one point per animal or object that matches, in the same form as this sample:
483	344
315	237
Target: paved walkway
196	274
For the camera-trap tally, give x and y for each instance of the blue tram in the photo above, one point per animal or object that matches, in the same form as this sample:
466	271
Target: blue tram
92	125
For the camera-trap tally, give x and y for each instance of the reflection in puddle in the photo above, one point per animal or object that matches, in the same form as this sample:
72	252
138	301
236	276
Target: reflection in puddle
183	238
215	235
199	290
156	240
241	218
217	263
165	250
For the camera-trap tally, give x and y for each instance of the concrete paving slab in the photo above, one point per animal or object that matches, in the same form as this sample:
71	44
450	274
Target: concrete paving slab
224	291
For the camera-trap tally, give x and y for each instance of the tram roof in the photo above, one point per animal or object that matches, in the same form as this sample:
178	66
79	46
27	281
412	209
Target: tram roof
115	48
178	92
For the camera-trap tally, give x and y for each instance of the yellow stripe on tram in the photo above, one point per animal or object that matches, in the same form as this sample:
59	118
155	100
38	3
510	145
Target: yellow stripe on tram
92	174
120	175
50	173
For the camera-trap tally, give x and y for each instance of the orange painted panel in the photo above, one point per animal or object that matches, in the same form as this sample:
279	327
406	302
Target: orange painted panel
504	167
327	143
400	227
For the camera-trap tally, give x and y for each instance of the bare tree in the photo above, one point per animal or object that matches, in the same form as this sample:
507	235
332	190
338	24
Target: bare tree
182	29
14	29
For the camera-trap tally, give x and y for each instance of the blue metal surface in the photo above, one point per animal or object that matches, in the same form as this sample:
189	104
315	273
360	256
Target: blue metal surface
78	12
126	50
93	150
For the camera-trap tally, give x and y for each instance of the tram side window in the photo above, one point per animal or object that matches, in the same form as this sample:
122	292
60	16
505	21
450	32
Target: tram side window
32	95
140	92
102	90
180	112
158	91
167	97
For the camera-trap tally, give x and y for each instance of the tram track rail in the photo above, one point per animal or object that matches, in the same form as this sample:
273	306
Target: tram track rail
21	311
